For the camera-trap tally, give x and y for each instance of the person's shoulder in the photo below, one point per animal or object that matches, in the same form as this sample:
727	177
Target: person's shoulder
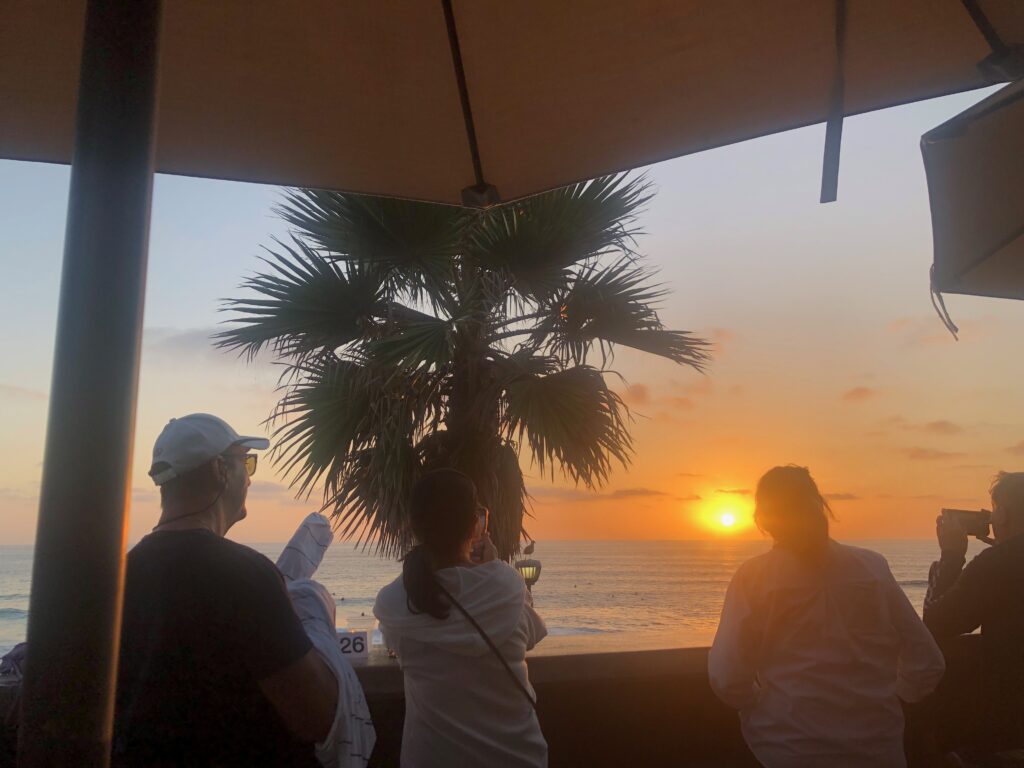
753	568
244	563
861	557
396	588
391	602
499	569
865	555
999	556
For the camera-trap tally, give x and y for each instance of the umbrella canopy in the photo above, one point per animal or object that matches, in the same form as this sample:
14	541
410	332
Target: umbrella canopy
444	100
975	166
367	97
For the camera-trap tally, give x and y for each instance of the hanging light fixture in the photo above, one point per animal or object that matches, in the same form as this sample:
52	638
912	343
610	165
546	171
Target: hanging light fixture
529	569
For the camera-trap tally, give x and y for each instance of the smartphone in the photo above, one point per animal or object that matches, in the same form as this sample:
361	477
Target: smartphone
975	522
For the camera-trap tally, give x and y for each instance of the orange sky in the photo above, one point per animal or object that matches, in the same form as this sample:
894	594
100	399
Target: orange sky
828	353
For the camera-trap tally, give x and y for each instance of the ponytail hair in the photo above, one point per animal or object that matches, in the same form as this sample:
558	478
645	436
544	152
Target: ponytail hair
442	514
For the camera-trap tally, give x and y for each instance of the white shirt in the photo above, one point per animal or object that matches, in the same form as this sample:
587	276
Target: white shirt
351	738
816	658
462	710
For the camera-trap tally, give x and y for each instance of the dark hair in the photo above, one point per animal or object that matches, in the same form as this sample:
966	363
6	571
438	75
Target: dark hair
790	508
442	513
195	486
1007	491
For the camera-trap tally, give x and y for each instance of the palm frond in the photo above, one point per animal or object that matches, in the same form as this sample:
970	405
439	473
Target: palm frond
304	304
421	343
569	418
538	239
340	407
370	500
611	305
411	245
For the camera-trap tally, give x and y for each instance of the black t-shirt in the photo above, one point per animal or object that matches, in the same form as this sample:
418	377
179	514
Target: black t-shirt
204	620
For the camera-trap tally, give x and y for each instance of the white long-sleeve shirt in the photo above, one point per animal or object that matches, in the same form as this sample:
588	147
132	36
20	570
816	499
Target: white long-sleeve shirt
461	708
816	659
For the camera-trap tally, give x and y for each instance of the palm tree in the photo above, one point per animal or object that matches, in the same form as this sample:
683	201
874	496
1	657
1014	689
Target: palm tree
418	335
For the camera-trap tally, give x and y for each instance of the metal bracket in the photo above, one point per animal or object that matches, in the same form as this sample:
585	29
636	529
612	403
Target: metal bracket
480	196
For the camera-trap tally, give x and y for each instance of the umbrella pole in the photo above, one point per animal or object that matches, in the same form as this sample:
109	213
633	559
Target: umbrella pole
78	569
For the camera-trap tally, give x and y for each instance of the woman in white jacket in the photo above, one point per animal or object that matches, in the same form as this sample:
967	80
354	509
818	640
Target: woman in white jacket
817	642
464	706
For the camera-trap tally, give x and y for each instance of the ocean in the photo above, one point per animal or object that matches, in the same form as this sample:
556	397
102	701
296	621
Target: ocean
593	595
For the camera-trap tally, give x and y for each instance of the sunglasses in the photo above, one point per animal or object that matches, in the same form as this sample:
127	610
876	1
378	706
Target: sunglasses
249	459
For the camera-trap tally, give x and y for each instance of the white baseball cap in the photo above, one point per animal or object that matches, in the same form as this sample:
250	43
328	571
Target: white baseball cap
193	440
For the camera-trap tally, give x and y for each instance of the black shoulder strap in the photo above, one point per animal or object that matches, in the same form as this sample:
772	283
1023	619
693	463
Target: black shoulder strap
491	645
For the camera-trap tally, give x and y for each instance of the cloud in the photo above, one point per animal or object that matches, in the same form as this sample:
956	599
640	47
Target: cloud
1017	450
937	427
942	427
632	493
175	345
720	339
21	393
145	495
573	495
735	491
637	394
928	330
900	324
694	497
841	496
701	387
279	494
858	394
560	494
13	494
930	454
685	403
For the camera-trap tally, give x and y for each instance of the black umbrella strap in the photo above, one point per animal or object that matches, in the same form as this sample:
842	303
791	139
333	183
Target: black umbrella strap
491	645
834	126
940	308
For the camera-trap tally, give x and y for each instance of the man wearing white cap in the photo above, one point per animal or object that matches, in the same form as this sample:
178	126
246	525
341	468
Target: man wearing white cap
216	669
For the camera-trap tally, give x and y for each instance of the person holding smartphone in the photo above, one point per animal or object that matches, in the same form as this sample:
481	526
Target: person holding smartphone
461	622
988	592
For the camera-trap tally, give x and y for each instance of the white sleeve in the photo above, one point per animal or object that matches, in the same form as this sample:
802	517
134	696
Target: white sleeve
535	628
731	664
920	665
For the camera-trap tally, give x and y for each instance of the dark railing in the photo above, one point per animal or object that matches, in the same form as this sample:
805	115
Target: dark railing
644	708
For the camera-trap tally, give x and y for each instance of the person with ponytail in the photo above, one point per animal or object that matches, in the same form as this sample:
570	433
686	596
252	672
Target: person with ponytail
817	643
461	621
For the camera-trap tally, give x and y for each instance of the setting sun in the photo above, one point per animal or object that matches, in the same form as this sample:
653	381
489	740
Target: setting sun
725	513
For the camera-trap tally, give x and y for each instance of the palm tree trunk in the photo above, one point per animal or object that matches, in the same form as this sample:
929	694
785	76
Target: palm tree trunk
474	445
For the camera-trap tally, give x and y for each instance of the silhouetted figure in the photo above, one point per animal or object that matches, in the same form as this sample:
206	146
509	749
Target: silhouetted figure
817	642
988	593
468	702
215	668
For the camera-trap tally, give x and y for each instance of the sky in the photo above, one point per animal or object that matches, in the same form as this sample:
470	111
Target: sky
827	351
